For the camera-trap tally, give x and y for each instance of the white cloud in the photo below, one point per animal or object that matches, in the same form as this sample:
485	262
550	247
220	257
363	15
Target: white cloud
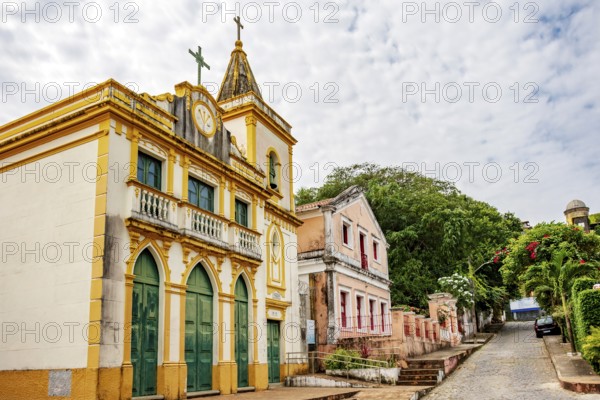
364	62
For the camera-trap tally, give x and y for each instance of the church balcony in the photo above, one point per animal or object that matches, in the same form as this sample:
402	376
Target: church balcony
246	241
203	225
151	205
179	217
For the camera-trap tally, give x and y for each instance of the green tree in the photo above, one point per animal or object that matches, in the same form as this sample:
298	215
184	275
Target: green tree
539	244
551	281
433	230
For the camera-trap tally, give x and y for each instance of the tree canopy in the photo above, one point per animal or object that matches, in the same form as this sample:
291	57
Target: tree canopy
432	228
537	247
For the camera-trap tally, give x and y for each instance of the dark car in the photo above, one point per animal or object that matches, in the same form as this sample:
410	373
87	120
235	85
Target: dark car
545	325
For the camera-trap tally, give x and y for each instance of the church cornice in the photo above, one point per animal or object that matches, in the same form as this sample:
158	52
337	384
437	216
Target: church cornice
252	109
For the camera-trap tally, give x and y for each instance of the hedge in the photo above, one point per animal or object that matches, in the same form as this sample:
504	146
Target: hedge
581	284
586	312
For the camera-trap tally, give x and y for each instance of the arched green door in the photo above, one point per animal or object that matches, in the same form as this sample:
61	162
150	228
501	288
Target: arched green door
241	332
199	330
144	325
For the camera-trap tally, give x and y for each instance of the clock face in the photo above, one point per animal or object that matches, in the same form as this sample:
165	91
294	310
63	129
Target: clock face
204	119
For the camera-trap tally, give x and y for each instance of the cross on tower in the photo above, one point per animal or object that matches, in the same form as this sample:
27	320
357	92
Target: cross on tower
239	26
200	61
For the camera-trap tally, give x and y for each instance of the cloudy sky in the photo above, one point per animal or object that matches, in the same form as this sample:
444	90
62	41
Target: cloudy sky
501	98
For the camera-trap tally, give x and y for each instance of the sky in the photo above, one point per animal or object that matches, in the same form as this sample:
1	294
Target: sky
501	98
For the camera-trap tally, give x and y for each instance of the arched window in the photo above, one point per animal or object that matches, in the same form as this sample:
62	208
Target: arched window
273	171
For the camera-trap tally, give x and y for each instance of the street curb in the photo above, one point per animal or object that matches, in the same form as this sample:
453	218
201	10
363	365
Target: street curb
572	384
420	393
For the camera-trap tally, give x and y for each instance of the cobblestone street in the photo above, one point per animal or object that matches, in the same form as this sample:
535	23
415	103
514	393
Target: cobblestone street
513	366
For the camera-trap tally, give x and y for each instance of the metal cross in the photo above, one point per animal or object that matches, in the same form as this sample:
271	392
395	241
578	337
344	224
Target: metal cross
239	25
200	61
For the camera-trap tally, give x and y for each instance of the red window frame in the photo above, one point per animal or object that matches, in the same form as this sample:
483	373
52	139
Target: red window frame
343	308
345	233
358	316
372	313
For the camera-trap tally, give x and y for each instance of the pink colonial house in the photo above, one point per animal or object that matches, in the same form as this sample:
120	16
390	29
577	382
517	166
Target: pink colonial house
342	260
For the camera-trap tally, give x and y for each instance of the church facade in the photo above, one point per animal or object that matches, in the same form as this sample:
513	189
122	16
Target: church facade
146	244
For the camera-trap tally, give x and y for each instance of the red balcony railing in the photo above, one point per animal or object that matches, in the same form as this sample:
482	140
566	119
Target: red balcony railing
364	261
378	325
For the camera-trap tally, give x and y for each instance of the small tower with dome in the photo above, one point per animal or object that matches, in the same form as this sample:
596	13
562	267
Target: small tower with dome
577	213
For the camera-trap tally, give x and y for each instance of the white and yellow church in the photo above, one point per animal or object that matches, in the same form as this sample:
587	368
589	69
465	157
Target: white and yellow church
148	244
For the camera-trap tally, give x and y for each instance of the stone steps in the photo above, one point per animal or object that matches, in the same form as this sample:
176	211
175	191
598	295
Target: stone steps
421	373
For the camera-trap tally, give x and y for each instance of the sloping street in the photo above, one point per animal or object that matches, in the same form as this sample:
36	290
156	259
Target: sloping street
514	365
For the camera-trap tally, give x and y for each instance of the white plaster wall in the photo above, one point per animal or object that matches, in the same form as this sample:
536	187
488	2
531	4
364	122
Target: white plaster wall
45	271
117	208
237	127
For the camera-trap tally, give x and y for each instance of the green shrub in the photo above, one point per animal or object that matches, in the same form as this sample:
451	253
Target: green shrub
581	284
339	359
591	349
586	313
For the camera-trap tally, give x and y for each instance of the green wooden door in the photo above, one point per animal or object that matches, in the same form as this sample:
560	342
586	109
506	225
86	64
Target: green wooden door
144	325
273	351
199	331
241	332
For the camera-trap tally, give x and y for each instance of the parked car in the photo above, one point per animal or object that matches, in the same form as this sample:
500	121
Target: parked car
545	325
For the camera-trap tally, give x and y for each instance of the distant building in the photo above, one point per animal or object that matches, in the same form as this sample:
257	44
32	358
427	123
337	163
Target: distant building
342	258
525	309
578	213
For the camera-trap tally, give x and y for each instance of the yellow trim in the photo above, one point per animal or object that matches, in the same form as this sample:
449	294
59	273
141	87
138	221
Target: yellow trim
291	180
182	297
128	319
149	243
185	180
222	197
258	375
170	171
255	110
205	261
92	97
133	153
86	383
232	329
39	137
167	327
56	150
222	300
273	284
40	121
95	313
255	329
232	201
251	139
254	212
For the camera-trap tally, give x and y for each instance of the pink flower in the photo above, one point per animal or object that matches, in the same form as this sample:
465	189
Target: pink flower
582	261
